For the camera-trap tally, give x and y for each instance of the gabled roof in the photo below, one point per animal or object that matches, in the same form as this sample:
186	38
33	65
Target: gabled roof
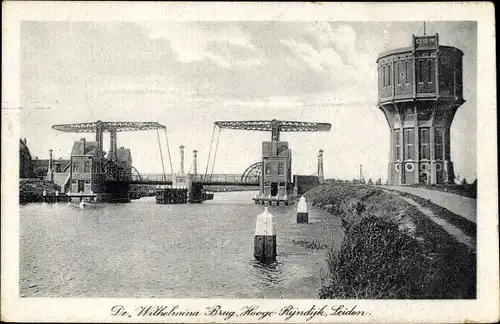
78	148
123	154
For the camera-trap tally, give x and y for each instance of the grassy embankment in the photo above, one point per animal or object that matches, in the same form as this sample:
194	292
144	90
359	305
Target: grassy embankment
390	250
31	190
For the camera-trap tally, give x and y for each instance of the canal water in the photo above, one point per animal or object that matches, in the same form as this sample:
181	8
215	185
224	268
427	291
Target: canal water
142	249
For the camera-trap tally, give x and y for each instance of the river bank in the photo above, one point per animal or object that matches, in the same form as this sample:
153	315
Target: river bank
31	190
391	250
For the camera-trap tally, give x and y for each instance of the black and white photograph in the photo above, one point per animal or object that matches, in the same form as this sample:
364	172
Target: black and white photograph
268	163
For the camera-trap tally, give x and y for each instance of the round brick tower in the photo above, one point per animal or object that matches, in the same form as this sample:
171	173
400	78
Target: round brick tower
419	90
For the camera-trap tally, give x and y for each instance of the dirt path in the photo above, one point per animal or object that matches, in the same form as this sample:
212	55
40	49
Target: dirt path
460	205
451	229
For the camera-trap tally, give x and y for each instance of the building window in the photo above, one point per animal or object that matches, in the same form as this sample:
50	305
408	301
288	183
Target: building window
86	167
268	168
429	71
76	166
281	168
420	71
397	140
438	143
409	140
424	140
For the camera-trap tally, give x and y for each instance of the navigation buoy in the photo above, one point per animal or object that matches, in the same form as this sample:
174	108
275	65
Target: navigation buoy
265	237
302	215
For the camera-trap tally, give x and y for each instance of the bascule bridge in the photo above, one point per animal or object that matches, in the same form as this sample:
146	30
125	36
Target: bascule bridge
90	170
276	181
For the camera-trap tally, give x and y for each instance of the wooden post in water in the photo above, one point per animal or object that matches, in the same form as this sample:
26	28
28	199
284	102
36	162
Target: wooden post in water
265	237
302	215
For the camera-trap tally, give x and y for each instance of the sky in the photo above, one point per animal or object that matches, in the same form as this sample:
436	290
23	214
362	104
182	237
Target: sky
187	75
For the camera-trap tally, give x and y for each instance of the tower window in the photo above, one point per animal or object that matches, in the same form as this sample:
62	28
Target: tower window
424	141
438	143
379	76
398	144
429	70
406	72
389	75
398	72
384	82
409	140
420	71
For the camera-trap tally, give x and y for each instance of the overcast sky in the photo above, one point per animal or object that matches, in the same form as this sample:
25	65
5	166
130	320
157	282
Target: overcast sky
186	75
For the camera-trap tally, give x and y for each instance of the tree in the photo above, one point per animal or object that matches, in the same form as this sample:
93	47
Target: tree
464	181
370	182
378	182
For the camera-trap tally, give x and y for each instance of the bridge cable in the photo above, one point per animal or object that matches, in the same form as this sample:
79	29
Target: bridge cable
209	152
168	150
215	154
161	155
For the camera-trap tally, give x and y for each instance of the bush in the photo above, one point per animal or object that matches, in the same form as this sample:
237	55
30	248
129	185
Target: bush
377	260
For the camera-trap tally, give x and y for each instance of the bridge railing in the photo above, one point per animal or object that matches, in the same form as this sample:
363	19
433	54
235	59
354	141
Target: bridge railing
222	178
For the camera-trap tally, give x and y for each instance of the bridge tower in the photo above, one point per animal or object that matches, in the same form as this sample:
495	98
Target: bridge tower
420	89
195	166
181	148
321	176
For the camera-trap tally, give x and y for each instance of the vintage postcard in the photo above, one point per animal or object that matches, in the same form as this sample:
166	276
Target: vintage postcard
249	162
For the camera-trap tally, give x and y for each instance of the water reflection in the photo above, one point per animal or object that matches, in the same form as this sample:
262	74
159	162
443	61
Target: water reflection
269	272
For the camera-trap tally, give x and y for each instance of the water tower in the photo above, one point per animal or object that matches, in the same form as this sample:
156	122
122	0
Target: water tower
419	90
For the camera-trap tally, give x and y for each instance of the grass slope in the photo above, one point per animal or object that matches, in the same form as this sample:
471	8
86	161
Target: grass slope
390	250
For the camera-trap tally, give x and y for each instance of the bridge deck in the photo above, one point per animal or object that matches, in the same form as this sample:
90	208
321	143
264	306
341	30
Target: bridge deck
207	183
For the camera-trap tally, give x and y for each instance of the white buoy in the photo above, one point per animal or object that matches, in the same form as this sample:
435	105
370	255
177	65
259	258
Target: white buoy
302	215
265	237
